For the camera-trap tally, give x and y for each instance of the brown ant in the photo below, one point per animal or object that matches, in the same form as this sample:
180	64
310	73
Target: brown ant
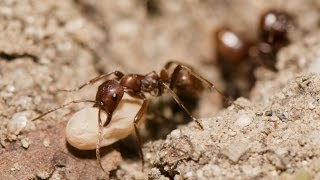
111	91
274	26
238	57
232	55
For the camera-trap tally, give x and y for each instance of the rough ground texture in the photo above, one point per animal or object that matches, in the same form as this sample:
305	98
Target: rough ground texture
51	45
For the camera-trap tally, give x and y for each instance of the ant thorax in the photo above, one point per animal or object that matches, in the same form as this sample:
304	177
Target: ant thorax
131	82
150	84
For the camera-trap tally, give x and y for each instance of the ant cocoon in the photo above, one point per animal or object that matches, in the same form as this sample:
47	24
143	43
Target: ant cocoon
82	130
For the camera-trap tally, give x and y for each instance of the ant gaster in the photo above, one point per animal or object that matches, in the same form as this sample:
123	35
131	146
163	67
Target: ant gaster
111	91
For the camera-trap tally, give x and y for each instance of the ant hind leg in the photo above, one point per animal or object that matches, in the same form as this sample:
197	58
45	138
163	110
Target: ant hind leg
137	118
177	99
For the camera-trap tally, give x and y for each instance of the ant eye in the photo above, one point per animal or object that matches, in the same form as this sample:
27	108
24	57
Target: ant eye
114	97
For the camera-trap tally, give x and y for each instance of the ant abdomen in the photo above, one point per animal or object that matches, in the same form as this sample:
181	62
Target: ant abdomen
230	46
187	85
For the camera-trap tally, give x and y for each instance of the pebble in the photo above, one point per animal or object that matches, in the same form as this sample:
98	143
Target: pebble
243	120
311	106
268	113
25	142
235	150
46	142
10	88
17	123
176	133
15	167
189	174
232	133
44	174
283	116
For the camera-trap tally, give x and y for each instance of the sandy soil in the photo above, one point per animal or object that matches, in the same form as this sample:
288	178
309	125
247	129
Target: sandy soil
50	45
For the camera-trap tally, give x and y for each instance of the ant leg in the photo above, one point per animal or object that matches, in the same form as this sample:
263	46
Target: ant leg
180	67
99	140
101	125
62	106
136	121
118	74
177	99
171	62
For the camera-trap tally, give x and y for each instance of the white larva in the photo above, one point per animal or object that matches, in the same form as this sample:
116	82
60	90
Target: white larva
82	129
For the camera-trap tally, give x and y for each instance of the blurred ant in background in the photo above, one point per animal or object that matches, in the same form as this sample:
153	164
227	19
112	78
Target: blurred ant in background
238	57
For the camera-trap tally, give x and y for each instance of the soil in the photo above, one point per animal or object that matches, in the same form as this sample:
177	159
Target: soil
46	46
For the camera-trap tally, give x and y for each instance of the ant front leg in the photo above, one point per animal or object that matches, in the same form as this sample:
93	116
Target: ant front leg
177	99
136	120
101	125
99	140
118	74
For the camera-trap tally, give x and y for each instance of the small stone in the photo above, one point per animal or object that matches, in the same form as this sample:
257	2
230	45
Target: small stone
268	113
15	167
176	133
251	171
17	123
243	120
232	133
46	142
43	175
259	113
10	88
311	106
235	150
283	116
25	142
273	119
189	174
199	173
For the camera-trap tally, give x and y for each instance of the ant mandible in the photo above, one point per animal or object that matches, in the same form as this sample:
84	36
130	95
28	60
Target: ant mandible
111	91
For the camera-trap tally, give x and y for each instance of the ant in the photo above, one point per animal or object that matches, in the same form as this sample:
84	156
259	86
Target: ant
111	91
238	57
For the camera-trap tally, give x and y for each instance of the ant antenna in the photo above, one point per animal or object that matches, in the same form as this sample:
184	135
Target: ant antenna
118	74
63	106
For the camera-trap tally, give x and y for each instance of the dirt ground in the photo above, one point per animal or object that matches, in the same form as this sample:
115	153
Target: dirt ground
46	46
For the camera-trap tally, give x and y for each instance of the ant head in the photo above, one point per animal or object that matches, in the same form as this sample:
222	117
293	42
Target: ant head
109	95
274	25
230	45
